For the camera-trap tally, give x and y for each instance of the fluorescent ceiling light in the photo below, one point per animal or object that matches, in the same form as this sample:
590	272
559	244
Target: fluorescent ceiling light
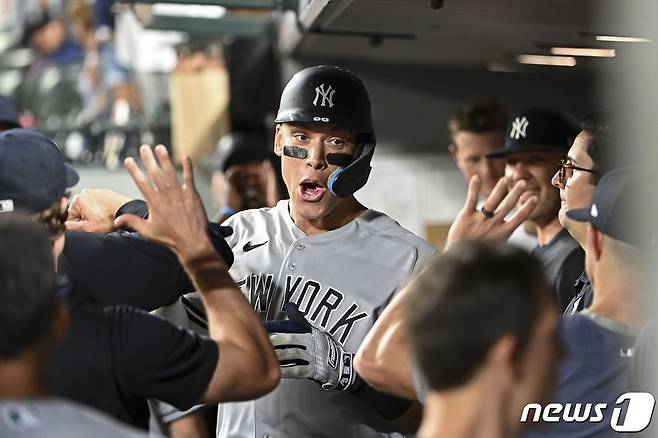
621	39
561	61
183	10
583	51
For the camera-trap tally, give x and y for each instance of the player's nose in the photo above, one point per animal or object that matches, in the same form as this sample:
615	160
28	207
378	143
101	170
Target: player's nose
316	157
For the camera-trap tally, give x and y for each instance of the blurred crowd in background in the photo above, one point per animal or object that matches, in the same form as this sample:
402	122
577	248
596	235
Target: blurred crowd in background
87	73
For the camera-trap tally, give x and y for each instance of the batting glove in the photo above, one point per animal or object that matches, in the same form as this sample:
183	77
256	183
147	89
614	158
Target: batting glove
306	352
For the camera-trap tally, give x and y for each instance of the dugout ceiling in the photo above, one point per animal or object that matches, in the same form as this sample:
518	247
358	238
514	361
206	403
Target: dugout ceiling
464	33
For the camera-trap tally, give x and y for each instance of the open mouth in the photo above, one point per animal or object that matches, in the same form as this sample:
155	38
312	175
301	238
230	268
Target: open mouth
311	191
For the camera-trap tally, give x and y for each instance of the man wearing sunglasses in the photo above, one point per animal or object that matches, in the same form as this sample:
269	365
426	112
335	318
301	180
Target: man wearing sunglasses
536	140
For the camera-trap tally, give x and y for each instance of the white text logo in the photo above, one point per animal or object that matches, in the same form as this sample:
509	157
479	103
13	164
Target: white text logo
518	128
326	95
632	412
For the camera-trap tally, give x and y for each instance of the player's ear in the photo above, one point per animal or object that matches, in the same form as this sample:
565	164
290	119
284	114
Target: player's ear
503	357
278	140
596	241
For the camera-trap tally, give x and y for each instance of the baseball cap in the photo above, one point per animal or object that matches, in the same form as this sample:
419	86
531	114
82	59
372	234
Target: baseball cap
8	112
33	174
616	210
239	148
538	129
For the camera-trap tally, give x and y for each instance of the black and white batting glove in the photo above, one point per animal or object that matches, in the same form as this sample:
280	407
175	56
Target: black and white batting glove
306	352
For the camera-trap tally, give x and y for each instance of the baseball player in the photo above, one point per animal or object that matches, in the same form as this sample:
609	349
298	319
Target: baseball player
339	262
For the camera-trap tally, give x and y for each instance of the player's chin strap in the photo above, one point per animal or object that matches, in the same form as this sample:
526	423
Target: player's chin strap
344	181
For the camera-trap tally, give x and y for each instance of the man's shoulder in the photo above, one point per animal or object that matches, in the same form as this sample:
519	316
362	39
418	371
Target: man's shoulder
383	235
593	331
58	417
388	228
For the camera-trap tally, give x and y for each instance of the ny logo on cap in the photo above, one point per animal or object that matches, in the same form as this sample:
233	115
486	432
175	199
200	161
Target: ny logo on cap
326	95
519	125
594	211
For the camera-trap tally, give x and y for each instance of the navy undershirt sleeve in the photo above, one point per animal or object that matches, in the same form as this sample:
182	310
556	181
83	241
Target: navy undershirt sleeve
123	268
156	359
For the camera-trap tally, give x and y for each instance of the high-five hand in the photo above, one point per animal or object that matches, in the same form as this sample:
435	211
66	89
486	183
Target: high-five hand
489	221
177	218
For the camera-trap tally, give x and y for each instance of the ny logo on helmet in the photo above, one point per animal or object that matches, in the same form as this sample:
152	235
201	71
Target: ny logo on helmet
326	95
519	125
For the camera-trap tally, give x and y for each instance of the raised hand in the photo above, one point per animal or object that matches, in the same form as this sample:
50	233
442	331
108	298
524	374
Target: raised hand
489	222
177	218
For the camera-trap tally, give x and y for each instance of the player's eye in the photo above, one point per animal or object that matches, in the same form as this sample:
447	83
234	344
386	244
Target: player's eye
337	142
301	137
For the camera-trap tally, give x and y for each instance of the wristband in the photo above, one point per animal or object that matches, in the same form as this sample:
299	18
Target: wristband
227	211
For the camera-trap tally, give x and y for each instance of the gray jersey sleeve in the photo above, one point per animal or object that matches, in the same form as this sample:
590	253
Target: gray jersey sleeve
55	417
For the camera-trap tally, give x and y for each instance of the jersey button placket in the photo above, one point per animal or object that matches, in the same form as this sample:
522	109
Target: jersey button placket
292	266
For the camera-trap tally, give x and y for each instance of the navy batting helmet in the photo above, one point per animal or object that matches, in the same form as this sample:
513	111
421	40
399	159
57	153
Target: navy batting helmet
328	94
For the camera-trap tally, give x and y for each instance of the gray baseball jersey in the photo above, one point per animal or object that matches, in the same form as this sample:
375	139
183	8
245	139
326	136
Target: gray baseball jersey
341	280
54	417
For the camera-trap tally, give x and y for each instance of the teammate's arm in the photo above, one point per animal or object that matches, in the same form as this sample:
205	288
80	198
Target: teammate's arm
247	366
384	358
189	426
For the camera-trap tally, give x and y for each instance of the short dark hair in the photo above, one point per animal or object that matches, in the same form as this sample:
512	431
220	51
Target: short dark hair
467	299
27	279
484	115
603	131
53	218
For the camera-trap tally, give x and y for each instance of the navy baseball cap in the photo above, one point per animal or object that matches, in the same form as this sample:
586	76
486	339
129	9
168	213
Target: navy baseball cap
616	210
8	112
239	148
538	129
33	174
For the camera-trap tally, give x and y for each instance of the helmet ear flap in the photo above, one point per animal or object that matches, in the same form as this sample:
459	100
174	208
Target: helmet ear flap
344	181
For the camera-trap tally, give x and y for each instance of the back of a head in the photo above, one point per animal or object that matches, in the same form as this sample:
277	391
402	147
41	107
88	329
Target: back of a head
618	210
27	277
8	114
34	177
484	115
465	301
